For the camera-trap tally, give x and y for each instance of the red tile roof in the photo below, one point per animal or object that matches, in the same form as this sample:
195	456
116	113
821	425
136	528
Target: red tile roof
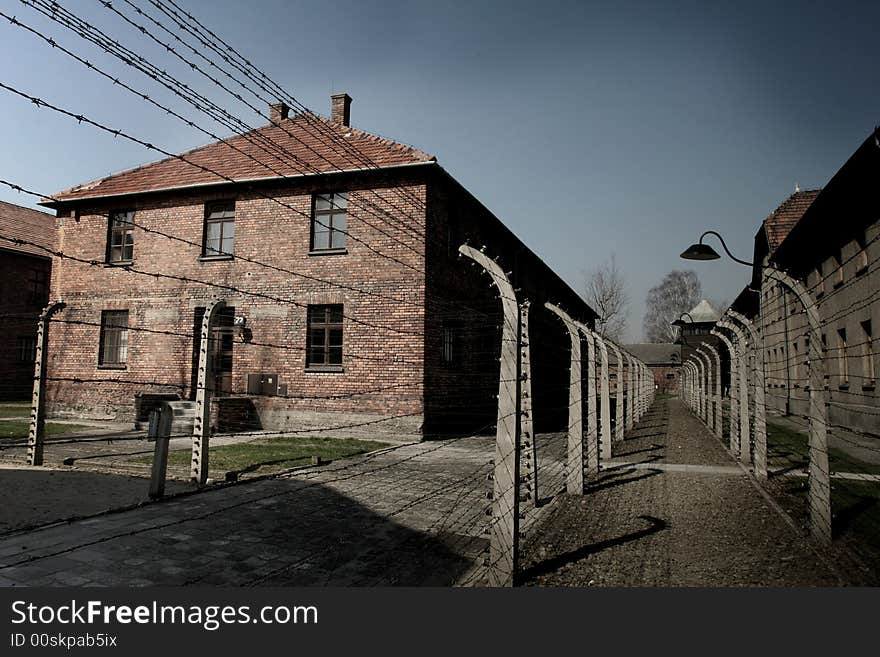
31	225
302	144
783	219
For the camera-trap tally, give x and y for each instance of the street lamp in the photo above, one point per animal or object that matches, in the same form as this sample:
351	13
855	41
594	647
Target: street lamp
680	322
700	251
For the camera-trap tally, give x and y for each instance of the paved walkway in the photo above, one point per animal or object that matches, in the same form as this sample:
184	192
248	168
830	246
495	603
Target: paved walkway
409	515
673	509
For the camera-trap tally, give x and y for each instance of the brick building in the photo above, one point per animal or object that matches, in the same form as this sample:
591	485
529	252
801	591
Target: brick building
24	290
828	240
336	253
664	361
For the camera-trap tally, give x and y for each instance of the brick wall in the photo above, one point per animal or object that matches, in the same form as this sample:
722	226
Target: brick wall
462	394
267	232
21	300
393	335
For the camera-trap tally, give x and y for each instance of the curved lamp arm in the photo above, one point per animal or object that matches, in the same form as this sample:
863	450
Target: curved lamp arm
726	250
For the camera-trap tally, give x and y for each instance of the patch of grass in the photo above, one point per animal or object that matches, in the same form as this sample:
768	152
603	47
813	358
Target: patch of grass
16	430
15	409
275	454
794	446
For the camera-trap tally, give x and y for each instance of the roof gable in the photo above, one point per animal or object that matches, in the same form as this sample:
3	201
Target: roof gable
27	224
301	145
703	312
656	353
780	222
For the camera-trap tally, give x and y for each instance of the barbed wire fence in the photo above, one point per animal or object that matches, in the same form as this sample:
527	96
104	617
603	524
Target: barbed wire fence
810	427
528	468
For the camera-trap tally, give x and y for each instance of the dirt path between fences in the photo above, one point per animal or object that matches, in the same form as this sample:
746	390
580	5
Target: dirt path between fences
664	522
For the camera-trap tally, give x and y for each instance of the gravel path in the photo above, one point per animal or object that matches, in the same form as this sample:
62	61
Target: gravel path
653	526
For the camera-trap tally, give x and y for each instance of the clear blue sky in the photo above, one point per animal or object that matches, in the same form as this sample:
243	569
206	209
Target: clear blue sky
588	128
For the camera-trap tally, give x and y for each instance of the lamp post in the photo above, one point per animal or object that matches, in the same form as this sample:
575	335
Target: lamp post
700	251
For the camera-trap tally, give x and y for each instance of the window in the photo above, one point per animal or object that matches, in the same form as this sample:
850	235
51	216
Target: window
120	242
820	283
324	337
795	366
27	349
113	349
841	355
329	222
836	270
39	287
867	354
219	229
861	258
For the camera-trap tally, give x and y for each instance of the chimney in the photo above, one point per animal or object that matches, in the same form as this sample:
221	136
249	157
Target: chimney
278	112
340	108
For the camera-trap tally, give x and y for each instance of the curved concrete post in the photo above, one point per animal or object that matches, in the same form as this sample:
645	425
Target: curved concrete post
201	427
759	408
707	387
718	411
591	433
701	387
504	526
695	390
733	396
640	388
574	464
819	475
640	391
37	429
618	395
630	392
604	400
741	344
528	449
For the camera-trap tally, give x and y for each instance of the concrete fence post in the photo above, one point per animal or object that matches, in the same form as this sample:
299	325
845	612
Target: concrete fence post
692	386
640	390
717	395
705	383
604	400
619	420
819	474
504	526
630	392
760	412
204	391
528	447
698	386
574	463
707	400
37	429
733	398
742	348
591	433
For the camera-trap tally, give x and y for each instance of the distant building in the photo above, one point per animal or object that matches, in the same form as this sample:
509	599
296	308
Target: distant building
25	272
664	361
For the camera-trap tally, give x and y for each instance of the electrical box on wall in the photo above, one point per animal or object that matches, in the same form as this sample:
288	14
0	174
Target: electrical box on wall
263	384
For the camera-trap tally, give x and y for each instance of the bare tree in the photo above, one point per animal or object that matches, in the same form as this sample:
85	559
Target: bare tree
606	294
678	292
